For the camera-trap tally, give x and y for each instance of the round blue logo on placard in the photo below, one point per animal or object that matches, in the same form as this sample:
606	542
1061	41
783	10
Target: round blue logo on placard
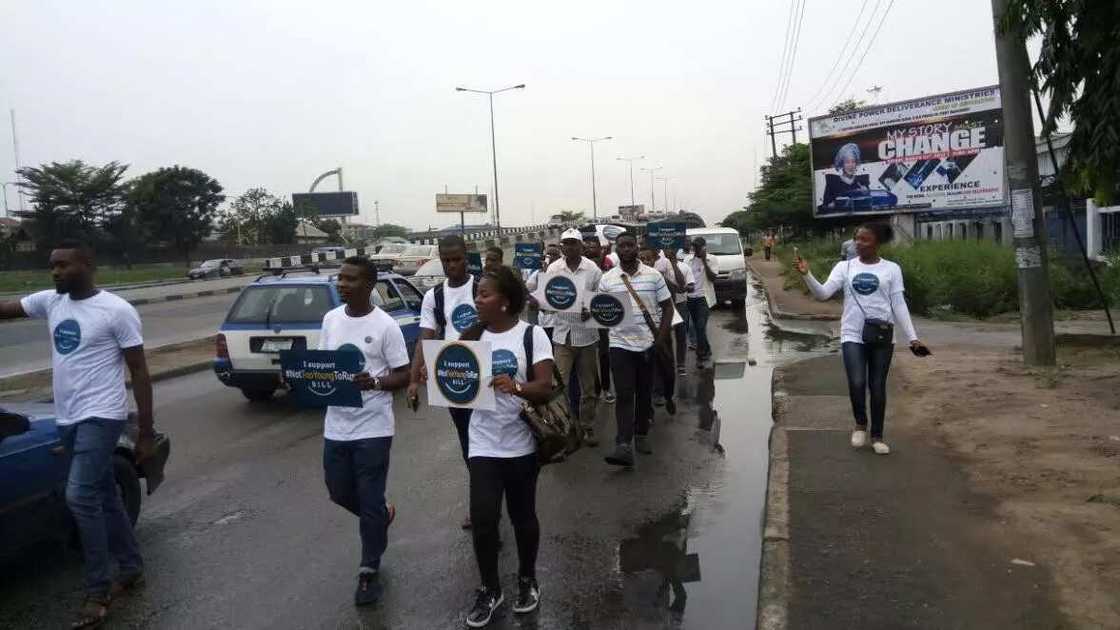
606	309
503	362
463	317
865	283
458	374
67	336
560	292
349	347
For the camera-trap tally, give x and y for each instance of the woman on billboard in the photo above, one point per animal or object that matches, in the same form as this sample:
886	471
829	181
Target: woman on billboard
845	183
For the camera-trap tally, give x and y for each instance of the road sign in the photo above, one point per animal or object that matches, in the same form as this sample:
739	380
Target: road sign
665	235
460	203
328	204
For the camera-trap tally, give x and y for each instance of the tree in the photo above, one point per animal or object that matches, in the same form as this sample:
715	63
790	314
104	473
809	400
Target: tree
72	199
1079	70
176	205
386	230
784	198
280	226
571	216
246	220
844	107
332	227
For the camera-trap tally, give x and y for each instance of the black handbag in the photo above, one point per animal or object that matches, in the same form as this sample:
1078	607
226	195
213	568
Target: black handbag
876	332
550	422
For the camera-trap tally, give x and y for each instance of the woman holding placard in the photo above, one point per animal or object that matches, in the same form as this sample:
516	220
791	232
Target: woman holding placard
502	450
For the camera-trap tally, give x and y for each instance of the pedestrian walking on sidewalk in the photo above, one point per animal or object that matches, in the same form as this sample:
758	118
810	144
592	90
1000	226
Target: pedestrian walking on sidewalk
631	347
447	310
768	244
874	304
96	335
701	299
357	440
503	459
575	345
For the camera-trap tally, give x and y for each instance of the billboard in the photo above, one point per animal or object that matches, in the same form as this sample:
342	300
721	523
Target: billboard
934	153
631	212
328	204
460	203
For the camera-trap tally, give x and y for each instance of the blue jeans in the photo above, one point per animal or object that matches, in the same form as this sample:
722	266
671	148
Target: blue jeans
867	368
698	312
356	472
91	494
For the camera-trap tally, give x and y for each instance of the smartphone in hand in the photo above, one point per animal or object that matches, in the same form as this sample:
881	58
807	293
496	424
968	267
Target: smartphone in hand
921	351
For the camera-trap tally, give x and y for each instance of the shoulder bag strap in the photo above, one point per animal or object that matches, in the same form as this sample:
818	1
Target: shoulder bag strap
441	318
642	305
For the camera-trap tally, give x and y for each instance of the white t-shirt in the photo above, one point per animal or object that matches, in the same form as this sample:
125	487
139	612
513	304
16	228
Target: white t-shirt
873	285
502	432
87	337
378	337
458	309
546	319
699	277
666	270
650	286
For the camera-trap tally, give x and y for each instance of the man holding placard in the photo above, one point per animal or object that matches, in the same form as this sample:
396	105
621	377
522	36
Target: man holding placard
357	439
575	345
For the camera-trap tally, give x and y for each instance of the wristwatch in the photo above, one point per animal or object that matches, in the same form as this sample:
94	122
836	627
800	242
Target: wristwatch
377	382
517	387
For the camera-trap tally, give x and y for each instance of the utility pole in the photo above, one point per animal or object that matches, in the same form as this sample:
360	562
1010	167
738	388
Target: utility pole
1027	219
591	145
494	145
376	213
652	196
631	160
15	149
791	119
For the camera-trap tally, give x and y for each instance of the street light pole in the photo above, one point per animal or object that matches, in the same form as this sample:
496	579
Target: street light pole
664	192
652	196
493	145
591	145
631	160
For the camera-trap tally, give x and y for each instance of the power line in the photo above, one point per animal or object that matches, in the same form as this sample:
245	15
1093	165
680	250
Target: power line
793	56
840	55
848	61
785	53
871	43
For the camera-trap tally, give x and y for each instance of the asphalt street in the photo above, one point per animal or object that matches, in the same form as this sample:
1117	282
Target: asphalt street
242	533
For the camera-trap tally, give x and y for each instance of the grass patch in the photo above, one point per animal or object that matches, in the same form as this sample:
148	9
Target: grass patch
35	280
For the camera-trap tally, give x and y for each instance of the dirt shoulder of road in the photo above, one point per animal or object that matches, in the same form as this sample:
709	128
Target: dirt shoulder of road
163	363
791	304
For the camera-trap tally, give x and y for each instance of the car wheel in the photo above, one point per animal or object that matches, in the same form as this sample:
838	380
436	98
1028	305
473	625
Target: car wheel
128	483
257	395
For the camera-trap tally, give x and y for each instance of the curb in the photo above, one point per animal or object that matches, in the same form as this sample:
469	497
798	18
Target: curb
182	370
777	313
184	296
774	572
157	376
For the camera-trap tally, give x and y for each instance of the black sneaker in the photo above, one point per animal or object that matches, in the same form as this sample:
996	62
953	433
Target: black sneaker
671	406
622	455
369	589
485	603
528	595
641	442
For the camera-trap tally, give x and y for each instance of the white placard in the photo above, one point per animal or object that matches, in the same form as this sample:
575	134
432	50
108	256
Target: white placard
609	310
459	374
559	292
1022	213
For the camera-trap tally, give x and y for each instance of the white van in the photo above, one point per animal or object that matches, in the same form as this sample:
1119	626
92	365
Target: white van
725	254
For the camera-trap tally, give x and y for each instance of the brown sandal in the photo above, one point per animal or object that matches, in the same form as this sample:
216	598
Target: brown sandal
92	613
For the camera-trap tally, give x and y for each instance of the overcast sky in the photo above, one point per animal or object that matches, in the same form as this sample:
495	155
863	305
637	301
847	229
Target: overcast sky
273	93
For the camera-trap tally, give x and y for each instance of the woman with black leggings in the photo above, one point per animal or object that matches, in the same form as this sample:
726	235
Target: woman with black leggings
873	293
502	451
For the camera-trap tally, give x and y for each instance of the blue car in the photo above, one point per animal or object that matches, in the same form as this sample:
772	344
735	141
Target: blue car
34	468
284	311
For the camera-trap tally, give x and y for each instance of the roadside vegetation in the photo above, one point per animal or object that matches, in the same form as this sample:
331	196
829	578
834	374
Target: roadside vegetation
964	278
25	281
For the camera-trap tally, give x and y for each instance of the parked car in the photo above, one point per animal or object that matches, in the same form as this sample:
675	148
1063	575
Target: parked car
339	251
387	256
216	268
428	275
285	312
34	469
414	257
725	253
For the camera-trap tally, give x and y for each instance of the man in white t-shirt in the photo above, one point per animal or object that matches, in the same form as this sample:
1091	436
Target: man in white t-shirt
701	298
447	310
632	361
680	280
356	440
95	335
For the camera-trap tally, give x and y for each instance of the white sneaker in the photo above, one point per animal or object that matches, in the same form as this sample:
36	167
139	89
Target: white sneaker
881	447
859	438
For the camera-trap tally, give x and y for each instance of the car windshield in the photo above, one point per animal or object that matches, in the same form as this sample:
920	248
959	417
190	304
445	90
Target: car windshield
281	305
419	250
723	244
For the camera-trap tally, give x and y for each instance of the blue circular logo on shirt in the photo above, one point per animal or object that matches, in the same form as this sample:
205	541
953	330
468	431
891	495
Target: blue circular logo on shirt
463	317
349	347
458	374
503	362
560	292
865	283
67	336
607	309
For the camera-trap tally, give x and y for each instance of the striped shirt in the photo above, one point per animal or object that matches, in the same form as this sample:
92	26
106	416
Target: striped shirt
566	324
650	286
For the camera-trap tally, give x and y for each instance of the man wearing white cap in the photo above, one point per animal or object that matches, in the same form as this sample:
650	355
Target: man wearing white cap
574	344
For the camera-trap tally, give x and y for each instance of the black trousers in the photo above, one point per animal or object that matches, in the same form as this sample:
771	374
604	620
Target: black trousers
516	478
462	420
633	379
867	368
604	363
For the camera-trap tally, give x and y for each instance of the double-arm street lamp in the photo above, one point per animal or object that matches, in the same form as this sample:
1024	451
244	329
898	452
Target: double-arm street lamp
652	196
631	161
493	143
591	145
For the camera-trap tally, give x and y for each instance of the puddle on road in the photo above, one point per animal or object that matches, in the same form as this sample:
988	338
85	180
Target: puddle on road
696	566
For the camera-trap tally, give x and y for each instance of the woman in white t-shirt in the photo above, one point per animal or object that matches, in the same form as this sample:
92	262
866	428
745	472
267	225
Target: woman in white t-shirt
503	458
873	290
